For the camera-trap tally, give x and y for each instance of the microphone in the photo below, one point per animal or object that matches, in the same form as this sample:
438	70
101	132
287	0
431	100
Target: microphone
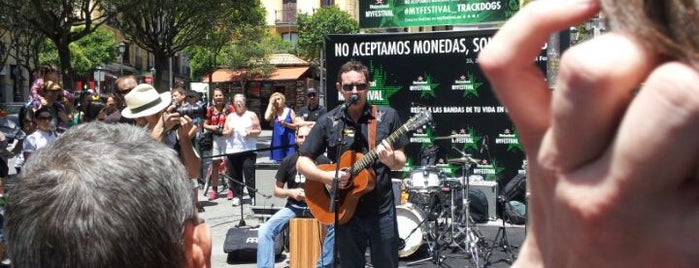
352	100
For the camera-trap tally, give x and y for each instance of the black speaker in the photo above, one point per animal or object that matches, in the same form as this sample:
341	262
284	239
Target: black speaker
241	245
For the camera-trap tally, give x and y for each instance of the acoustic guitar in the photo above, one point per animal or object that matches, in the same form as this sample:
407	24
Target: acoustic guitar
362	178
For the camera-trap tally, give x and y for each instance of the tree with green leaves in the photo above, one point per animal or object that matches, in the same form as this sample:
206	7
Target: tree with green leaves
314	28
88	53
234	54
24	49
4	34
250	55
57	20
166	27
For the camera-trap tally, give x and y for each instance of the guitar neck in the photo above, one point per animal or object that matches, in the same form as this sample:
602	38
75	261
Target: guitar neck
370	157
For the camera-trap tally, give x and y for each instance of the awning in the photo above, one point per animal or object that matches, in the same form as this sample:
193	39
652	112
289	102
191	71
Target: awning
281	73
118	67
288	73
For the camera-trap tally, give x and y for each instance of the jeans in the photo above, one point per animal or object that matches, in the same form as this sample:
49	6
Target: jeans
326	256
275	225
205	165
381	233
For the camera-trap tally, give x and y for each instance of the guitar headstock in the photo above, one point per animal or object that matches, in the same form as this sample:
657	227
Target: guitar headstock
419	119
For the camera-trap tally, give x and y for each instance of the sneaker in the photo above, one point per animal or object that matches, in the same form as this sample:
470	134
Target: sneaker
213	195
229	194
236	201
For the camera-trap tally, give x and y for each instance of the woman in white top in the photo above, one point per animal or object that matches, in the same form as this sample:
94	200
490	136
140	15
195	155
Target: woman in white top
43	135
242	129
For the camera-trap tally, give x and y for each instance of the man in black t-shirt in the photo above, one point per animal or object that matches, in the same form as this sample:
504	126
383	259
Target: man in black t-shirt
374	221
312	110
295	207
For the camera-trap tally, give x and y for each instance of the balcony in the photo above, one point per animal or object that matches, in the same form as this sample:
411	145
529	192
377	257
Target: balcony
285	16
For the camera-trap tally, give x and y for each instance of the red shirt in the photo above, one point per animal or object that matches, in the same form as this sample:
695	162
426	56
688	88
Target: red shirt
217	118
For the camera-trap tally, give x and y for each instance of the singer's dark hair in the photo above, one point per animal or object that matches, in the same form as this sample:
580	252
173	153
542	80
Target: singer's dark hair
353	65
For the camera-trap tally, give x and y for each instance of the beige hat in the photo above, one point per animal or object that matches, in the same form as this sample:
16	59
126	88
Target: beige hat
52	86
144	100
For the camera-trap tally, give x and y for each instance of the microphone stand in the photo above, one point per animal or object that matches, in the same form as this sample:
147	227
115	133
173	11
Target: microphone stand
335	187
241	223
484	145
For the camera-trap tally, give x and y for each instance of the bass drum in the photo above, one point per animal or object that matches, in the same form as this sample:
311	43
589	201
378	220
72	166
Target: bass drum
410	229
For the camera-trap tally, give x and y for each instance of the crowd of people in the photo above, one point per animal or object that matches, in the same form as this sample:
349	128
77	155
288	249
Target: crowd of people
602	203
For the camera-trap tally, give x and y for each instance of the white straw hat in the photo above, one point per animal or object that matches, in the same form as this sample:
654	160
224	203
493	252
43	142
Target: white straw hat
144	100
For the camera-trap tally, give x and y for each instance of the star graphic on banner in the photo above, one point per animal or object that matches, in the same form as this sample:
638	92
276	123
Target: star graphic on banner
433	86
498	169
515	146
476	85
381	91
428	131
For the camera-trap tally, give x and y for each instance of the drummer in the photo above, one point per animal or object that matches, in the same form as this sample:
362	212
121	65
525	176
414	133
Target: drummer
295	207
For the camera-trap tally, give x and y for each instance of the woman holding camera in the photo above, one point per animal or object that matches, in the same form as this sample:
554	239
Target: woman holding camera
214	122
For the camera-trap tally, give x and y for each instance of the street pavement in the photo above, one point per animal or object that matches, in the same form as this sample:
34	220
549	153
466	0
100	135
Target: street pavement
221	215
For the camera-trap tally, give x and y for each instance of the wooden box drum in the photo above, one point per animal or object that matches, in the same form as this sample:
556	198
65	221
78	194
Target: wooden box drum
305	242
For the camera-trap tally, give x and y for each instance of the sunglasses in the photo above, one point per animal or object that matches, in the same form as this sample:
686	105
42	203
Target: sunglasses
125	91
44	118
360	87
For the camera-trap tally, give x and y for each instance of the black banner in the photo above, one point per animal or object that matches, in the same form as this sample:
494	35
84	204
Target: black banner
437	71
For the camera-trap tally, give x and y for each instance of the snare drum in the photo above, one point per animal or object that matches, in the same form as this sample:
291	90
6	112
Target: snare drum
424	179
410	229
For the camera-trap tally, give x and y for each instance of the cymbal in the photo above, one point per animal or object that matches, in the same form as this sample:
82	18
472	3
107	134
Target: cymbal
448	137
464	160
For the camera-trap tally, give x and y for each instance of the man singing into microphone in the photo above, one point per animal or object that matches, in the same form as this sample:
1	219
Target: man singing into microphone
374	222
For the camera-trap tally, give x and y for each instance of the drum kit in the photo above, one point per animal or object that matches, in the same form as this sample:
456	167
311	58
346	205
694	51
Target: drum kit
437	213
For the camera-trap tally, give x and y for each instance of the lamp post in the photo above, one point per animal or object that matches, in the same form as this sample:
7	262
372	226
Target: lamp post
122	49
152	75
99	76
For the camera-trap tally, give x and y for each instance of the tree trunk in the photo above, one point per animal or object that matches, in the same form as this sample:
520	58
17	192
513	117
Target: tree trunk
66	66
161	81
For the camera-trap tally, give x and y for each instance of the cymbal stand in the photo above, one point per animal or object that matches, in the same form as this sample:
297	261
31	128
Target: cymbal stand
473	239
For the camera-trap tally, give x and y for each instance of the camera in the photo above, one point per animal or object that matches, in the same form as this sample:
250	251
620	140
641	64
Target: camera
193	111
219	131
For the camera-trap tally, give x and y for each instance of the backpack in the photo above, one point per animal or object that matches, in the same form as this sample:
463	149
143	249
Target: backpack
515	212
512	199
477	205
206	140
516	188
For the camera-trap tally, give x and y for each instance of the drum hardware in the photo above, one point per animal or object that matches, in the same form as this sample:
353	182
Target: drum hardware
501	240
411	235
465	236
411	230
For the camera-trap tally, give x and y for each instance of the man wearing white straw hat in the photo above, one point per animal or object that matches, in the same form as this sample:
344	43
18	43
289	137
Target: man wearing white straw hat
154	111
